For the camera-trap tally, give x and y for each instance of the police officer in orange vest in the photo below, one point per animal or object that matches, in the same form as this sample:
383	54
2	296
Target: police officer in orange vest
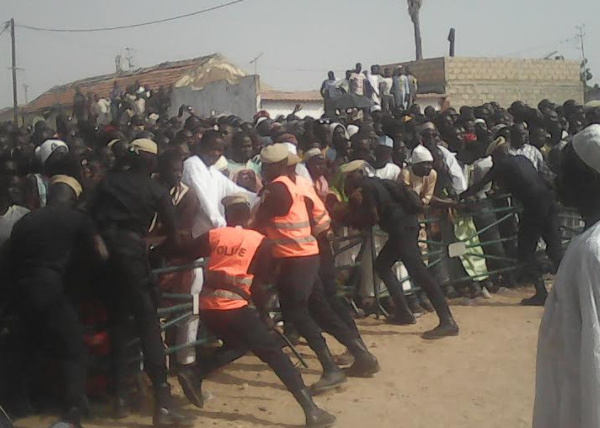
325	306
239	261
283	217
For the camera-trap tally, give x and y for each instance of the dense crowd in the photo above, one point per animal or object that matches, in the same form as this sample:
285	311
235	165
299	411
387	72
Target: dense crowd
90	201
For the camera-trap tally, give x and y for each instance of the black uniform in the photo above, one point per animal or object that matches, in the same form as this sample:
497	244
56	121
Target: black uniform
41	249
402	245
124	209
518	176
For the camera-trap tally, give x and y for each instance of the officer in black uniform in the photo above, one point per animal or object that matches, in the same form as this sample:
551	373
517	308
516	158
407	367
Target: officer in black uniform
124	208
517	176
41	249
372	203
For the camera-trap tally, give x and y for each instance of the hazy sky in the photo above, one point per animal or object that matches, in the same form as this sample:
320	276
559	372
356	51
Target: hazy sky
300	39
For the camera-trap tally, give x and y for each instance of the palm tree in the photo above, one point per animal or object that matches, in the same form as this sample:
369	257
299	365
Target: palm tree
414	7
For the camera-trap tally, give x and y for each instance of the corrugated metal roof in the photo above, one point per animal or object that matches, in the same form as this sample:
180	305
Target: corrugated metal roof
191	72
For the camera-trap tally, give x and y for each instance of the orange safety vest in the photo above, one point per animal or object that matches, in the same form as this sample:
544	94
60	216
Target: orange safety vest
291	234
227	282
319	217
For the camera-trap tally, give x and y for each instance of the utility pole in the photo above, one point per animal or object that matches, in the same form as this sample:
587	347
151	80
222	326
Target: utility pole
14	72
581	35
584	69
452	40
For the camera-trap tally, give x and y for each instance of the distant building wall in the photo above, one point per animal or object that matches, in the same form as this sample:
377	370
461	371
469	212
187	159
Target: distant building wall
285	107
220	97
474	81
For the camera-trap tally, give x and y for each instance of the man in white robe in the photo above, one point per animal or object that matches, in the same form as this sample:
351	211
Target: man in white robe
568	361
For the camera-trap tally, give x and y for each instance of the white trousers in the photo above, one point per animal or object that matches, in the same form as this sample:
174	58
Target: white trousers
187	330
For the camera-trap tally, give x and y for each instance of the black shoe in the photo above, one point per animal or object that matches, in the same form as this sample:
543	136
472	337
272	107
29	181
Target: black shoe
120	408
474	290
366	366
536	300
414	306
62	424
451	292
329	380
365	363
74	416
315	417
192	387
406	319
319	418
332	376
345	359
164	417
445	329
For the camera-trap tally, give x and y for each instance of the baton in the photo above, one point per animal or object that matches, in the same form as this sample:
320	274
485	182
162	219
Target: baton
291	346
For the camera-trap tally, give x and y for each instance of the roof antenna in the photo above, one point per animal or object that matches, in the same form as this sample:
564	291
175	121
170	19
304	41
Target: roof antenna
255	62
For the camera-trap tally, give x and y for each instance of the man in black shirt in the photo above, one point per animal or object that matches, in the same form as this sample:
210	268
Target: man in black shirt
518	176
41	249
372	203
124	208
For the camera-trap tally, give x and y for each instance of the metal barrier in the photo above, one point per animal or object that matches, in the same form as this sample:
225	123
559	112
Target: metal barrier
189	309
571	224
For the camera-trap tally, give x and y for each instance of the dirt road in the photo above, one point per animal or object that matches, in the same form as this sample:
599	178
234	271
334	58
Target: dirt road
482	379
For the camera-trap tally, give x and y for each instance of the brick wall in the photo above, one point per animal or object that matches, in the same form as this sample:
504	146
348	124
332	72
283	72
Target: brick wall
474	81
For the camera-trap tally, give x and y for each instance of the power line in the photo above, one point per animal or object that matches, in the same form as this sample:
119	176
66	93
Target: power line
123	27
533	48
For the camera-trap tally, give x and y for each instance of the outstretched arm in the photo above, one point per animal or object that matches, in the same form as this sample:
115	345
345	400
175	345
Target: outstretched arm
479	186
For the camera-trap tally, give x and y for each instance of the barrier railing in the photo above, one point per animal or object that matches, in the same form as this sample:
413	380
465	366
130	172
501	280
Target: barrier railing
187	310
436	253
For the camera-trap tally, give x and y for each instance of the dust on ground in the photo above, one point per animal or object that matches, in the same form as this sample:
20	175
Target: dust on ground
482	378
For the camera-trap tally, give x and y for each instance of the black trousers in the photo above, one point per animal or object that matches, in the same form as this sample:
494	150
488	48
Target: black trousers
402	246
56	326
242	330
539	220
295	283
327	277
131	291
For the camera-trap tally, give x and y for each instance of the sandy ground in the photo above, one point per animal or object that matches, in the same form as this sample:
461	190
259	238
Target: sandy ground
482	378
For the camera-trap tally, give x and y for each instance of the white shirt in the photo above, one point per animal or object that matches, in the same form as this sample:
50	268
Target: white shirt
211	186
459	182
480	168
390	171
102	110
8	220
568	359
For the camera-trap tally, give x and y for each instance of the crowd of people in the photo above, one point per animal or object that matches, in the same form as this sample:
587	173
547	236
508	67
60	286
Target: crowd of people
386	87
91	203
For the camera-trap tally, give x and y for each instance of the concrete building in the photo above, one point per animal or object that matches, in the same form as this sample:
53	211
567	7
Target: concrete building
473	81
